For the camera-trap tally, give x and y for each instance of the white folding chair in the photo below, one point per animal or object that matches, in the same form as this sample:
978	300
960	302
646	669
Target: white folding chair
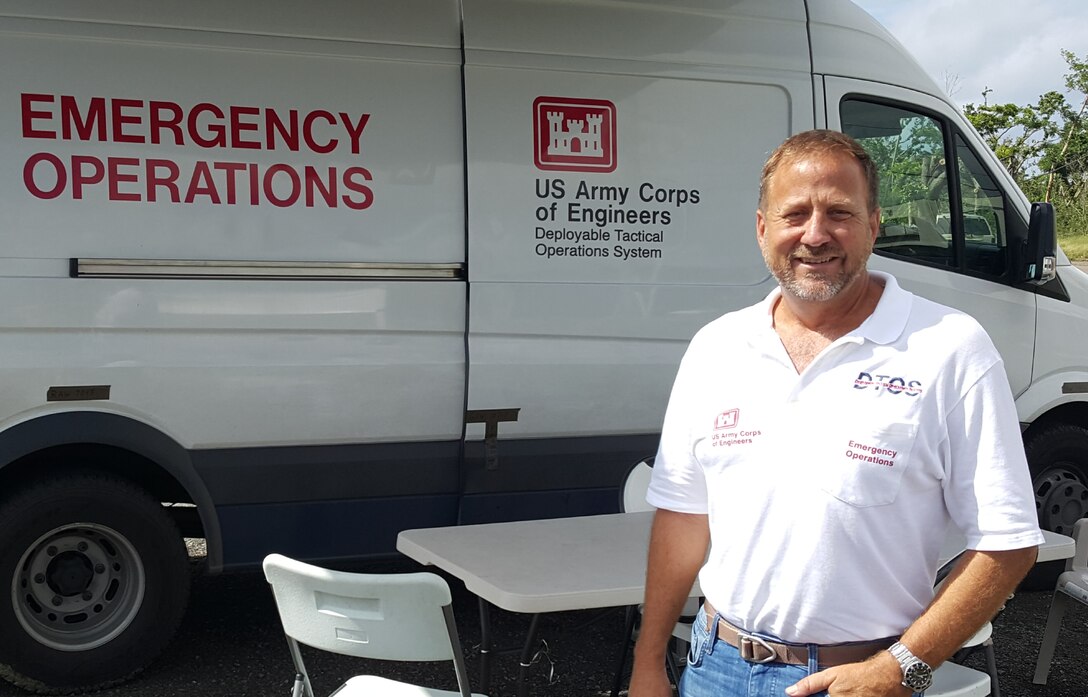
1072	585
953	680
635	486
399	617
982	639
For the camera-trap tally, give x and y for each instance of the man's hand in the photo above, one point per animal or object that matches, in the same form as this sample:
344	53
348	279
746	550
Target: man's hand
650	683
880	676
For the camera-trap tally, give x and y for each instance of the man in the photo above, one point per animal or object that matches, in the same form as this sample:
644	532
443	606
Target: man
819	443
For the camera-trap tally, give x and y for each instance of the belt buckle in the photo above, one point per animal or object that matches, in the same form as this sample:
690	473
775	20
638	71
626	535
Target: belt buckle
748	644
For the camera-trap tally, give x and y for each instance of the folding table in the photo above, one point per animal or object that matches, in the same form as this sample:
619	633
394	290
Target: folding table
561	564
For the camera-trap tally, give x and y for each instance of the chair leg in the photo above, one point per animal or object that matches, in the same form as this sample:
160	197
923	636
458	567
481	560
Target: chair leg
991	668
302	686
625	648
1058	605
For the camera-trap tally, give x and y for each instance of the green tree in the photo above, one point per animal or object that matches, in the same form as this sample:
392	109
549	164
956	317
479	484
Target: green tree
1045	145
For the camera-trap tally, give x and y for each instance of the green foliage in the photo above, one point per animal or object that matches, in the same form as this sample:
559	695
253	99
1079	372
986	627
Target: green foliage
1075	247
1045	147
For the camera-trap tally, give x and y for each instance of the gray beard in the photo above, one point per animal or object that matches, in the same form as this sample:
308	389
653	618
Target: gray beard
813	289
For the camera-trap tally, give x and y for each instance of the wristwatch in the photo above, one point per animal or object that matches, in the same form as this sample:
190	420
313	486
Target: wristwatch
917	675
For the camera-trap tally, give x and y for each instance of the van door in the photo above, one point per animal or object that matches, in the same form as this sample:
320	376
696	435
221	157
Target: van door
614	153
951	217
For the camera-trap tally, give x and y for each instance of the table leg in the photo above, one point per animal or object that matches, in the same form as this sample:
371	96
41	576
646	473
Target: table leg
485	646
628	633
527	656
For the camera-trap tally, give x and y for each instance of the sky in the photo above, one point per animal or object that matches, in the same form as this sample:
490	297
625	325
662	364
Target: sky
1012	47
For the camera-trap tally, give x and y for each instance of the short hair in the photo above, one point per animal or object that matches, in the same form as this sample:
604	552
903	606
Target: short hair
821	142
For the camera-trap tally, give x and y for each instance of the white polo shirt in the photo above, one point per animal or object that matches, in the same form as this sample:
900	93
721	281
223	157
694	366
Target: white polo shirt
829	492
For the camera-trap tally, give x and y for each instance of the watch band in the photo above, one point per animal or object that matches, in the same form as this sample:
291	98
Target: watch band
917	674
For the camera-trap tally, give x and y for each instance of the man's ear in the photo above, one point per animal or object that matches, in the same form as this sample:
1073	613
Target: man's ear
761	227
874	225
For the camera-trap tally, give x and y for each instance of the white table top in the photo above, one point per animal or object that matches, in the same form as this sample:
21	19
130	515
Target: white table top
542	565
561	564
1054	547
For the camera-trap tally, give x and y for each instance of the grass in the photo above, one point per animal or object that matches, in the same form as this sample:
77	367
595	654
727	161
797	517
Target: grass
1075	246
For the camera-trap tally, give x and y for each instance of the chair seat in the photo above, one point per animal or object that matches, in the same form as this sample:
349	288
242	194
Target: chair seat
954	680
375	686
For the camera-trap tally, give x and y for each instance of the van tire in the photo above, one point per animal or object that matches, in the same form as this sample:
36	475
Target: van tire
94	578
1058	460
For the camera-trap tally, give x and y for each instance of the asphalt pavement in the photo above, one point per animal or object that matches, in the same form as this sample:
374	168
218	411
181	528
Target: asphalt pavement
231	645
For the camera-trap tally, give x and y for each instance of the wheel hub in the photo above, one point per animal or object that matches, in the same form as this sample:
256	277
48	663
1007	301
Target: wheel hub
69	573
78	586
1061	499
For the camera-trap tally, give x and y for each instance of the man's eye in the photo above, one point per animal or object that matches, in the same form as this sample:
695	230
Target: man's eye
840	215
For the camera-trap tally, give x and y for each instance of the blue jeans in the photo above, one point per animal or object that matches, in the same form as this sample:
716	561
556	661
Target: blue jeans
715	669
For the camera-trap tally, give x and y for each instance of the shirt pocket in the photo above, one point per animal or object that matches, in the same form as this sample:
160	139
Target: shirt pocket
864	466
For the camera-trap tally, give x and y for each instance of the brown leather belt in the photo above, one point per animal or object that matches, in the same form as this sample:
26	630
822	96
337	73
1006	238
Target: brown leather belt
758	650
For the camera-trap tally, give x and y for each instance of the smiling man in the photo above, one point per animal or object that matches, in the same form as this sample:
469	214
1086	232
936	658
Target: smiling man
872	420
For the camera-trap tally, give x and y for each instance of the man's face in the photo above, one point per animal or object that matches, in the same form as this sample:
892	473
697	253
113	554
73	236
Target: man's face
815	228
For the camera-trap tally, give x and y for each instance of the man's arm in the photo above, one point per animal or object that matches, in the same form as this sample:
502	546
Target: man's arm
678	544
980	583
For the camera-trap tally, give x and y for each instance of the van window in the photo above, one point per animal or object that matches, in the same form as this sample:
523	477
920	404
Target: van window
922	219
909	152
984	239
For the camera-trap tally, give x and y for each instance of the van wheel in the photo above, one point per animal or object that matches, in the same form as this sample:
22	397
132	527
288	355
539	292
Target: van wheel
94	578
1058	459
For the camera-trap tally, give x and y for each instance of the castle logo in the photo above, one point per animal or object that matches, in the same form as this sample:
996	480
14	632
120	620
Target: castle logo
574	135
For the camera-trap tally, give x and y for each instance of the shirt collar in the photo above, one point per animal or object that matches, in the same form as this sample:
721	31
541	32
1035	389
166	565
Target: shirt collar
883	326
889	319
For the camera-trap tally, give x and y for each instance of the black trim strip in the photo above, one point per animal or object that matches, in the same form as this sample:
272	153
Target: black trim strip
238	476
261	270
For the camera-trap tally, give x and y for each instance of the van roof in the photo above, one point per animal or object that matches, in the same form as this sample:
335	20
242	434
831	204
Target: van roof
752	34
847	41
691	33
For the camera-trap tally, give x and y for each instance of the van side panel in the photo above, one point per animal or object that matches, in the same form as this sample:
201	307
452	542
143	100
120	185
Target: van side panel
247	231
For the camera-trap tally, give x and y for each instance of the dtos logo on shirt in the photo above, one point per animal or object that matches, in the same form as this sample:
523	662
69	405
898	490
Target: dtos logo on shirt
893	385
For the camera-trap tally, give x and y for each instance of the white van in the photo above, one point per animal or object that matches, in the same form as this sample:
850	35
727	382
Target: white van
293	277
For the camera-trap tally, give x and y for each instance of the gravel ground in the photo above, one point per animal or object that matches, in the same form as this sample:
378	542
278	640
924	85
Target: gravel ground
231	645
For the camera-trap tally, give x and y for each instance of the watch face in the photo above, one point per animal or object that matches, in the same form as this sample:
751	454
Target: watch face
918	676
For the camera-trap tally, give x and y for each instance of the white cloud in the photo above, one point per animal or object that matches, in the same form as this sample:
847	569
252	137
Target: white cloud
1012	48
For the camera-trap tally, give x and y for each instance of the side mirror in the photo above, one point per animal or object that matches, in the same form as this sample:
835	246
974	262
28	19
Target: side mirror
1041	248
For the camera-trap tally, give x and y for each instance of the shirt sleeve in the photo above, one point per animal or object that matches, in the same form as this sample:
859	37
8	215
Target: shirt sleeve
678	483
987	486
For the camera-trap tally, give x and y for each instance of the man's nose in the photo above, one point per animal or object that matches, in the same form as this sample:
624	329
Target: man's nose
816	230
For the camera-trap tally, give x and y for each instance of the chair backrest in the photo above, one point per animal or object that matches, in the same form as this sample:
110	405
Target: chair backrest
403	617
635	486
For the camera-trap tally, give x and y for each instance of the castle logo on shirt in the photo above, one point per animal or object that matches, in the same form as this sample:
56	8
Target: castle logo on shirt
727	419
726	433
